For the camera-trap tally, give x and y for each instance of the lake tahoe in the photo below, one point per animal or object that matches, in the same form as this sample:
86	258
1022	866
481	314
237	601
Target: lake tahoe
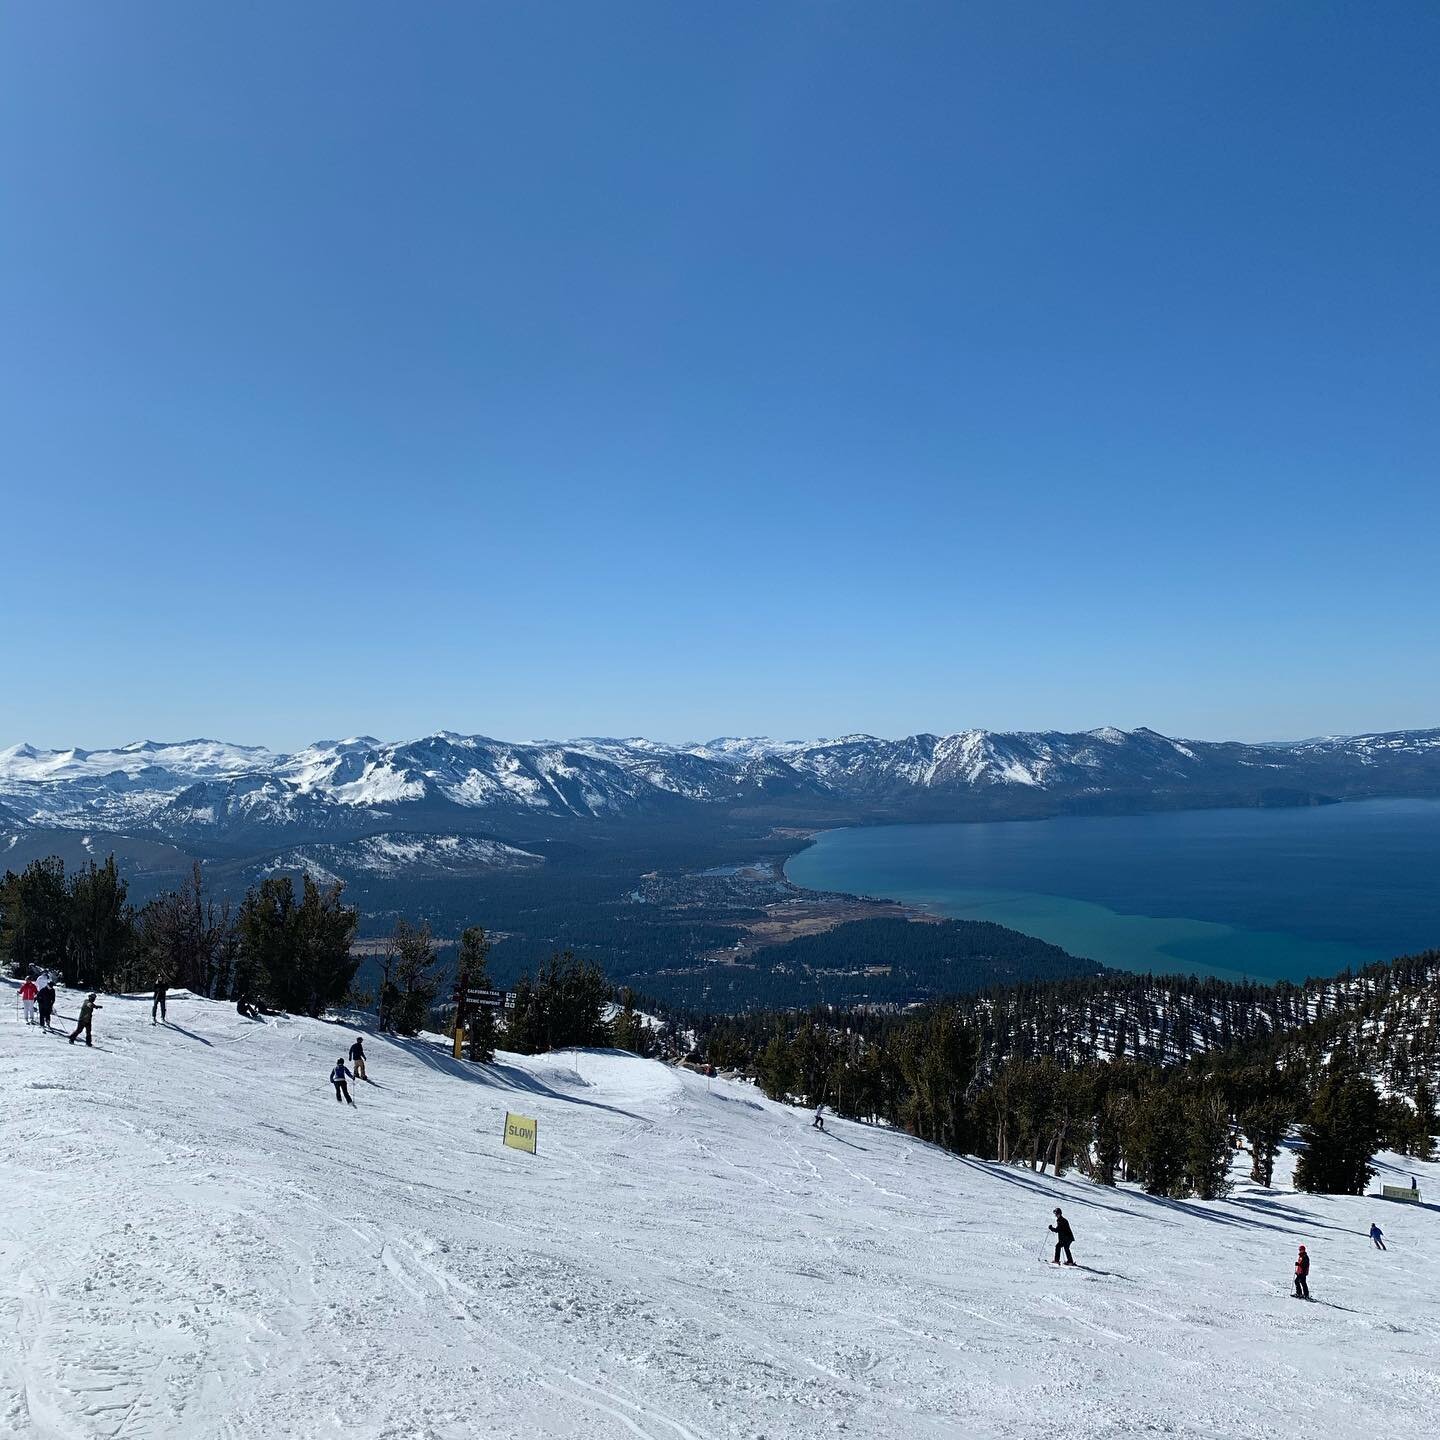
1260	894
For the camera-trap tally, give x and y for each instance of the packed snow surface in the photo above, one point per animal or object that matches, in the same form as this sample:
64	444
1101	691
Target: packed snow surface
199	1241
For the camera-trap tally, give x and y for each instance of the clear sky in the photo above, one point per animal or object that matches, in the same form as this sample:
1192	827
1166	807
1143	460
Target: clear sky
697	368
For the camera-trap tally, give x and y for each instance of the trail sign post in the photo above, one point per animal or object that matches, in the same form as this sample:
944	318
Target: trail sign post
467	1000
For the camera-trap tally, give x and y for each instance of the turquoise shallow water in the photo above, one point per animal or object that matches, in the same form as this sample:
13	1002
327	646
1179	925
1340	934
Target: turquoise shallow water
1259	894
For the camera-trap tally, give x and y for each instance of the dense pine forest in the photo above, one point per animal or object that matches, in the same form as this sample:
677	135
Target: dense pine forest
879	963
1129	1077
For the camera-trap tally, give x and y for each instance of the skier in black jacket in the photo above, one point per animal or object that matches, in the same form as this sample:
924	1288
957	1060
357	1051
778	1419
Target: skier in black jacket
45	1000
1064	1237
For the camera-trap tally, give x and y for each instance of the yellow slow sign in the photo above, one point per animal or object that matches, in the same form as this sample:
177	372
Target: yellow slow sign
521	1132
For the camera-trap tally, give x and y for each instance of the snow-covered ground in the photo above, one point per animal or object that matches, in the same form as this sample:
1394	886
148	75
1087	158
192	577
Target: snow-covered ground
198	1241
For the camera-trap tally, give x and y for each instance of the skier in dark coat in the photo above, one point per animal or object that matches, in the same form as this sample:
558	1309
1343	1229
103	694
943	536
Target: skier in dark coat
87	1017
1302	1271
1377	1235
338	1076
45	1003
158	1005
357	1057
1064	1237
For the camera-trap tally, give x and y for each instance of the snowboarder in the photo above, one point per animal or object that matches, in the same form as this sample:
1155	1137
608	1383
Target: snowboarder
819	1122
45	1002
158	1006
1064	1237
338	1076
357	1057
28	991
1302	1271
1377	1235
87	1016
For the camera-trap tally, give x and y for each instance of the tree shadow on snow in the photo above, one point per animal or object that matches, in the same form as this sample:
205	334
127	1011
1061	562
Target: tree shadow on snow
1299	1219
1047	1186
188	1034
1054	1190
496	1077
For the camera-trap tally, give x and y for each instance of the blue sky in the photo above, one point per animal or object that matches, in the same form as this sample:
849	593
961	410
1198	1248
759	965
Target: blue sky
687	369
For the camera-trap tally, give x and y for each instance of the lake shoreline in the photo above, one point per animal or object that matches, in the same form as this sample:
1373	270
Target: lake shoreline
1278	894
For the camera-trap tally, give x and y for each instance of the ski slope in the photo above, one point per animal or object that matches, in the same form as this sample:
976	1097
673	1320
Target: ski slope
198	1241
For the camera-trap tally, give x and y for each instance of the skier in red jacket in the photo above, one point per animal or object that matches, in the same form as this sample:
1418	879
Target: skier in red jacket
28	991
1302	1269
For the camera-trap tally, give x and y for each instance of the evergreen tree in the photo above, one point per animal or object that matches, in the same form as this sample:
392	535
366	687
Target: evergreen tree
268	940
574	994
1155	1142
410	984
1339	1134
1265	1124
1208	1145
325	929
1423	1142
1111	1121
775	1070
525	1021
35	920
631	1031
101	927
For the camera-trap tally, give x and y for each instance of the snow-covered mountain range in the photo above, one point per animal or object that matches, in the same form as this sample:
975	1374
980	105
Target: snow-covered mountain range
199	790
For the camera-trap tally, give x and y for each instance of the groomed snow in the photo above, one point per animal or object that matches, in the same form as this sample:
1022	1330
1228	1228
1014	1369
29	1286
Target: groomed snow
198	1241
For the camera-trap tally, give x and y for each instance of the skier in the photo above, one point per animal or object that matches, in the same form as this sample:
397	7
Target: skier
158	1006
245	1008
357	1057
28	991
87	1016
1302	1271
45	1001
1377	1235
1064	1237
338	1076
819	1122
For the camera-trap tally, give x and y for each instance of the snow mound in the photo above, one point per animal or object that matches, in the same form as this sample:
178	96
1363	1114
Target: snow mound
199	1241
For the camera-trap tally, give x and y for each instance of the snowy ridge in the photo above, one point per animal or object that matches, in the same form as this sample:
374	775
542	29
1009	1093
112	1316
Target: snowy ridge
395	854
200	1241
200	787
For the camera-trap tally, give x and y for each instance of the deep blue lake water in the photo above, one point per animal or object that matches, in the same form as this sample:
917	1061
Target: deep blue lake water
1264	894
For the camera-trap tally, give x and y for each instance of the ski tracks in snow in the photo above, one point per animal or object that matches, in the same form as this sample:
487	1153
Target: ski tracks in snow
197	1241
